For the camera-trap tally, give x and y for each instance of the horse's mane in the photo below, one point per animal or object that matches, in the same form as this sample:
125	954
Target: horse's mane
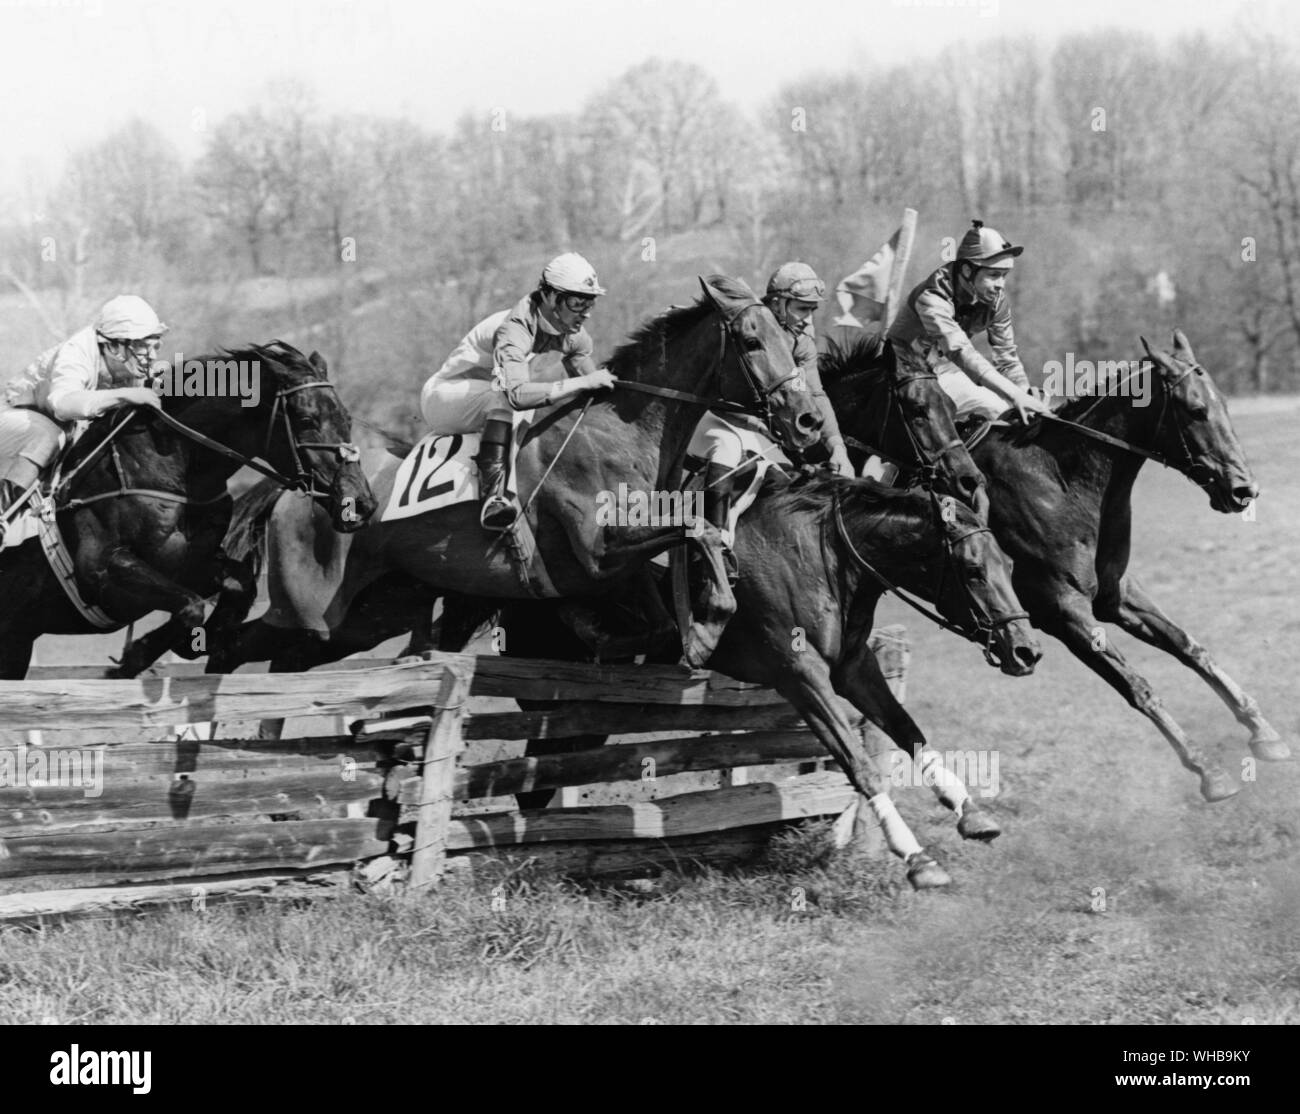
864	363
277	352
627	356
812	492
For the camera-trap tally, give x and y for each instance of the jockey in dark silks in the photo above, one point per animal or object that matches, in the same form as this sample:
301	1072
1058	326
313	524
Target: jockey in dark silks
935	327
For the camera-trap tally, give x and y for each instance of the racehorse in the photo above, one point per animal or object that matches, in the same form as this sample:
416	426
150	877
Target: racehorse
727	343
816	555
142	508
1060	507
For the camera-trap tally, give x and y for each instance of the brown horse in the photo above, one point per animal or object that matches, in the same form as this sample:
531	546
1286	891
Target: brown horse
143	508
323	585
1059	495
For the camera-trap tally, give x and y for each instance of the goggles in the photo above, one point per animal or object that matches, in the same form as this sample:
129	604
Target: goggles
806	290
577	303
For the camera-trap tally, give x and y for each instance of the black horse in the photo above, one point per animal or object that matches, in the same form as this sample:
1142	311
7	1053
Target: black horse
142	508
1059	496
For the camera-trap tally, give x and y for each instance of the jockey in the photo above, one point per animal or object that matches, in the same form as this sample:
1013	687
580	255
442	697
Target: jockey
933	329
793	294
73	382
487	376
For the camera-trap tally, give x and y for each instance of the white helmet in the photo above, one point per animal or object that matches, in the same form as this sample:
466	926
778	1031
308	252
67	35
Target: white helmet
571	274
128	317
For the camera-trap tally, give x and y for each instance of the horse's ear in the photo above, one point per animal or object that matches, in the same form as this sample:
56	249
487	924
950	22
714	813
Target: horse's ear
1181	345
713	293
318	362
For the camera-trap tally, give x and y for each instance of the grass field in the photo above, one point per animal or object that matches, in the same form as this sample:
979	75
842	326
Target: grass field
1201	902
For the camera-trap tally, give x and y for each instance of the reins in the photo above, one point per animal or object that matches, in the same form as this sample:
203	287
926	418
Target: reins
303	481
986	629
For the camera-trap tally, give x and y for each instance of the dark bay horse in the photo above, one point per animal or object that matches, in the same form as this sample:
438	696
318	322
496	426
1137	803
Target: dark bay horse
1060	508
143	508
815	555
322	585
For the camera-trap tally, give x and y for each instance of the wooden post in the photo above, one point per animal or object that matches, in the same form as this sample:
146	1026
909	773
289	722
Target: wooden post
442	748
898	272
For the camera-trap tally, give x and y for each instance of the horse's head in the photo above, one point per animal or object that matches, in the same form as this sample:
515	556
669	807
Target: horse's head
757	368
308	433
1193	431
908	419
966	574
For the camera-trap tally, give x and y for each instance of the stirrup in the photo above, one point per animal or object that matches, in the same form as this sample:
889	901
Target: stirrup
498	513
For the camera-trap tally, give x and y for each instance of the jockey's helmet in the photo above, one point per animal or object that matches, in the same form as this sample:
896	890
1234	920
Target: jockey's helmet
797	281
986	247
128	317
571	274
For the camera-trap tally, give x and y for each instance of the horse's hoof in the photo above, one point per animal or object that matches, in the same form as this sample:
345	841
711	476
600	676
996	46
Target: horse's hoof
926	874
1218	786
1270	750
977	823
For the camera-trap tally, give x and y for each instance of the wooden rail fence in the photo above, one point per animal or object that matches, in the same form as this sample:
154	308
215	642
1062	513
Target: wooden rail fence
118	801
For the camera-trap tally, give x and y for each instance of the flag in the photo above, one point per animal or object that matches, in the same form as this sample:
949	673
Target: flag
867	289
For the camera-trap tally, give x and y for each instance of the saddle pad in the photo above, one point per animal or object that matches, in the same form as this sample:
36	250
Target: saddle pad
440	472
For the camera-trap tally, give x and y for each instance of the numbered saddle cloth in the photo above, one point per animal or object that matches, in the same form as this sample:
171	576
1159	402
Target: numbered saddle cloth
440	472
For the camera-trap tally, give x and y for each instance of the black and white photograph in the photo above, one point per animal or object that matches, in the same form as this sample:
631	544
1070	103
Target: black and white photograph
650	513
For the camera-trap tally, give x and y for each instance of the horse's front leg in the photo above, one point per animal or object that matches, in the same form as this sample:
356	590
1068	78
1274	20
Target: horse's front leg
859	678
124	583
236	587
1138	614
808	687
1065	613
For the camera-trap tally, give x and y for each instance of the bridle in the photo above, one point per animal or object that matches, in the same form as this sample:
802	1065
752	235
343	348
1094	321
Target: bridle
986	624
1191	464
303	480
760	404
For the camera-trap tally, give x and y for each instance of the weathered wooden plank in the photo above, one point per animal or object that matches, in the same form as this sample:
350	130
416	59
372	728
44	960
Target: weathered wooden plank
317	794
620	858
99	900
186	851
627	762
713	810
196	699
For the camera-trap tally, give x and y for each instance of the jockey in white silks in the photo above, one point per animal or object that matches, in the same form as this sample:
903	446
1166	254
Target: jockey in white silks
487	376
73	382
793	294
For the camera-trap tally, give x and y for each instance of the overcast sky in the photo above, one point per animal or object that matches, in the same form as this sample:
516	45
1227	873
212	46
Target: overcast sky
73	70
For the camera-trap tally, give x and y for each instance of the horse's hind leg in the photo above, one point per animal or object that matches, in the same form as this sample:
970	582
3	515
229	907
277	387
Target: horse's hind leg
1066	614
860	679
1138	614
807	685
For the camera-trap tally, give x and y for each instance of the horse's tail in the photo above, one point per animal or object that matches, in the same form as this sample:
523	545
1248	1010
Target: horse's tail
246	535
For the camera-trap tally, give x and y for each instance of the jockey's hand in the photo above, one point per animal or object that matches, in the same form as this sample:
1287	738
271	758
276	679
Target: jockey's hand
1027	405
139	396
599	380
839	462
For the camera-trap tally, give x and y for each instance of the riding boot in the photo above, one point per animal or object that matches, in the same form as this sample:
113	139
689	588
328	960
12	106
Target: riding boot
493	460
718	490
